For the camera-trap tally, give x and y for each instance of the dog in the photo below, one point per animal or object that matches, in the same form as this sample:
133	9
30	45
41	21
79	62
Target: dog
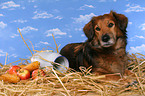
105	47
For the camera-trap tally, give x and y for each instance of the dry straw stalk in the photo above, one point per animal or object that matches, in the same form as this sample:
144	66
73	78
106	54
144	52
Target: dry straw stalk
72	83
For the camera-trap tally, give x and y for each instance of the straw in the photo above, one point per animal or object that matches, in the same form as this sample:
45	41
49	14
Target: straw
24	41
73	83
55	44
6	58
61	82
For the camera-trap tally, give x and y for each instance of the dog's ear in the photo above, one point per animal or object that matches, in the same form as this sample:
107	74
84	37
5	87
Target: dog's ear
121	20
89	31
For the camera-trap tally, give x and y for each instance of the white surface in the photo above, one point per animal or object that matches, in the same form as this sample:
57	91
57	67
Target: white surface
53	57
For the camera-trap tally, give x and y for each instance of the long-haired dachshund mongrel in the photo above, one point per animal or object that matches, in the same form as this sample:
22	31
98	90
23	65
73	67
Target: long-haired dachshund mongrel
105	48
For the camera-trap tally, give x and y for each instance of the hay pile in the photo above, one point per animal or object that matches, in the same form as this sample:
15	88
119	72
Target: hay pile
78	83
72	83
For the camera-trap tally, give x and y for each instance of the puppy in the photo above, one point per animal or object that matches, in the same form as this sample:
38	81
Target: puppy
105	48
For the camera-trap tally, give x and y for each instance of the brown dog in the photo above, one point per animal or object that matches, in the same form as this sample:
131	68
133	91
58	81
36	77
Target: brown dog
105	49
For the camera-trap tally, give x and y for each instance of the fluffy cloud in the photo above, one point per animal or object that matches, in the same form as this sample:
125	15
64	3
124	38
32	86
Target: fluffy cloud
45	43
84	18
9	5
86	6
13	55
137	49
83	35
20	21
55	31
130	23
2	53
135	37
78	29
1	15
134	8
43	15
28	29
14	35
58	17
70	36
40	43
142	26
2	24
141	37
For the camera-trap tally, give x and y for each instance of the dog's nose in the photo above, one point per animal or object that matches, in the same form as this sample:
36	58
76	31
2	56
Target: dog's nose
105	38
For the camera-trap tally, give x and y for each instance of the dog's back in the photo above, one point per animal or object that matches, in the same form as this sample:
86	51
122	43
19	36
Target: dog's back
69	52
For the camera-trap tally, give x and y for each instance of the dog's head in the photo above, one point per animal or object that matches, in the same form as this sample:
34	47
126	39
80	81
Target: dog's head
104	30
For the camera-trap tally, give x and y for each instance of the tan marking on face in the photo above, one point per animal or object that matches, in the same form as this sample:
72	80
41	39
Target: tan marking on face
107	27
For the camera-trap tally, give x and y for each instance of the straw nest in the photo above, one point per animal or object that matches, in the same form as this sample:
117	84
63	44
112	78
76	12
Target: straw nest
72	83
82	83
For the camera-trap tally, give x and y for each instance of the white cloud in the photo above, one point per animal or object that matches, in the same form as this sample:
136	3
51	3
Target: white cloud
14	35
70	36
55	31
129	22
135	37
83	35
1	15
58	17
134	8
28	29
137	49
58	37
35	6
2	53
42	42
20	21
84	18
141	37
78	29
2	24
45	43
142	26
13	55
43	15
86	6
9	4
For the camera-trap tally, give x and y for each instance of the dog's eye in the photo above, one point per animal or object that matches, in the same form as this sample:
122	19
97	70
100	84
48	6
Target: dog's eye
98	29
110	25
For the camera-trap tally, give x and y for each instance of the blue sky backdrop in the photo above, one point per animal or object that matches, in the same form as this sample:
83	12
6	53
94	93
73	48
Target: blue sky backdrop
38	19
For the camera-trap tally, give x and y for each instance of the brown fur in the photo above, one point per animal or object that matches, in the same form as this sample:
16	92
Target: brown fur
105	49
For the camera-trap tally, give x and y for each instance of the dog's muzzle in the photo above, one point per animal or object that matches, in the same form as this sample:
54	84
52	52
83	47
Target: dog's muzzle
107	40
